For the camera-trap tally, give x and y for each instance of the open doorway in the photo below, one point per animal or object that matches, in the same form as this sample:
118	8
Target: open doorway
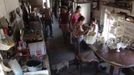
108	23
48	3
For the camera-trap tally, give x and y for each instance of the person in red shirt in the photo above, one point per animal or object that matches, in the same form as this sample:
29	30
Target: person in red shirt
75	15
64	23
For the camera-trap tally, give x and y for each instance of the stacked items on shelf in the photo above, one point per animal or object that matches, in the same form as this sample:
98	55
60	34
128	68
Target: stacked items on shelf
5	41
34	37
34	33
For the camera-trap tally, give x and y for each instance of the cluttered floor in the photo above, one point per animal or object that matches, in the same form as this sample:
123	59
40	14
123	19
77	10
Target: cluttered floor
61	54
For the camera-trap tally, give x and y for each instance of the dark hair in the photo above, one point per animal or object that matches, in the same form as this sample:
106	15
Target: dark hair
81	18
93	19
65	7
78	7
45	4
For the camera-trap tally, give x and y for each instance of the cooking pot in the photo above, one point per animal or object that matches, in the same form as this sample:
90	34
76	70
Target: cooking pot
34	65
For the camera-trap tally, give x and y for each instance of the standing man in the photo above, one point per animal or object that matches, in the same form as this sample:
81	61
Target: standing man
47	18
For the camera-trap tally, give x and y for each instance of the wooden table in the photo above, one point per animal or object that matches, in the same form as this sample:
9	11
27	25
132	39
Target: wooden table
123	59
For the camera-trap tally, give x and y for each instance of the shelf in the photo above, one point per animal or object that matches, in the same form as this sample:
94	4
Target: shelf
43	72
34	34
6	44
5	47
125	6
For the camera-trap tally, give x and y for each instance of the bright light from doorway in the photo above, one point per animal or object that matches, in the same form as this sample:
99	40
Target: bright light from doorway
1	70
48	3
108	23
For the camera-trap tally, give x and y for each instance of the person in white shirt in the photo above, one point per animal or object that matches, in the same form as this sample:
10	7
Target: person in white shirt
93	32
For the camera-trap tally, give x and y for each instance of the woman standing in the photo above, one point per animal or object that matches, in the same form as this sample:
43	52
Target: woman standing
75	16
74	19
78	34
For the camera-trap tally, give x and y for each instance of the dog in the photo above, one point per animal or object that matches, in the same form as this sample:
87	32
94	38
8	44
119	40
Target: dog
60	66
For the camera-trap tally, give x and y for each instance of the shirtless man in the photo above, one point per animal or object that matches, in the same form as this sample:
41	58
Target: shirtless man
47	19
